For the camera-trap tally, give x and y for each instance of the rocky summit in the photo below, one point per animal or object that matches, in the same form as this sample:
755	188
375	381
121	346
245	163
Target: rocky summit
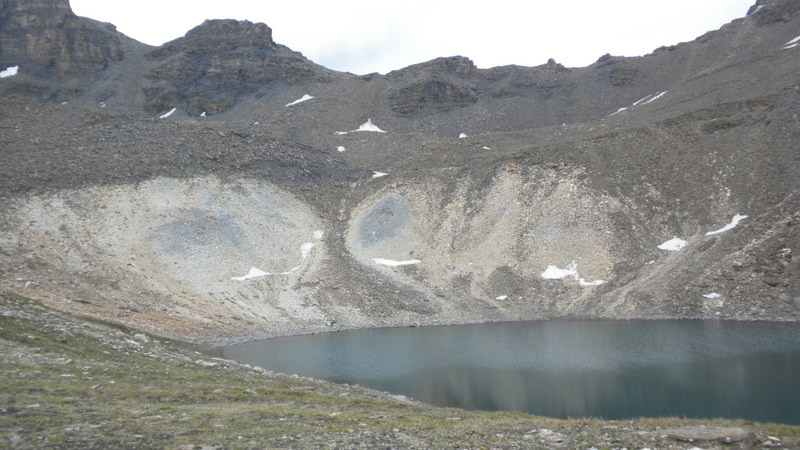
223	187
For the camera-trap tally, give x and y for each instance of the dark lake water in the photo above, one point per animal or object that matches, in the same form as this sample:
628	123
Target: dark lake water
608	369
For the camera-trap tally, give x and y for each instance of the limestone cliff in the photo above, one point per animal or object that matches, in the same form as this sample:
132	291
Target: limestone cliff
209	69
54	47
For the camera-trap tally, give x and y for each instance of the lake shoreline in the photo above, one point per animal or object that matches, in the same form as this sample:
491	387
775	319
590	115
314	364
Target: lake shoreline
221	343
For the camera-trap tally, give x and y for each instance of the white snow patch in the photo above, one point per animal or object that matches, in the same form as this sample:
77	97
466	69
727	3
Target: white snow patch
673	244
163	116
393	263
302	99
102	104
650	262
369	126
257	273
379	174
786	252
341	133
641	100
487	148
658	96
341	149
501	297
556	273
758	8
712	295
253	273
462	136
203	114
734	222
305	249
319	234
794	41
619	111
9	72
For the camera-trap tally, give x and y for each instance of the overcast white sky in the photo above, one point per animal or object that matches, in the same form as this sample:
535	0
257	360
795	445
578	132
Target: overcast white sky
363	36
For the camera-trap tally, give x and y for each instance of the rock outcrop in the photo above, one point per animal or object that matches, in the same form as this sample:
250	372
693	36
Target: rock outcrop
53	47
219	61
430	94
766	12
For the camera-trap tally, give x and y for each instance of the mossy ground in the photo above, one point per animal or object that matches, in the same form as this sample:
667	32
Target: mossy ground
72	383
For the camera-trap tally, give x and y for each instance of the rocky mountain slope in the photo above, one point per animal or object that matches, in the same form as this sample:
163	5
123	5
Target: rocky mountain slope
222	186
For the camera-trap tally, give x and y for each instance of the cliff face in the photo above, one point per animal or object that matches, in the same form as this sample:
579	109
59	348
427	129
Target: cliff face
62	57
47	34
209	69
54	46
615	190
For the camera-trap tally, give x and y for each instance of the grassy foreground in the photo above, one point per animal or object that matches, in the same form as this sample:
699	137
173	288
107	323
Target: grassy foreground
67	382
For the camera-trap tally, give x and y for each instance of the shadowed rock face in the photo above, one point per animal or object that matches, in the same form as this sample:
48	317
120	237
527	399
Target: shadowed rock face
766	12
219	36
430	94
565	195
45	36
52	44
218	62
46	33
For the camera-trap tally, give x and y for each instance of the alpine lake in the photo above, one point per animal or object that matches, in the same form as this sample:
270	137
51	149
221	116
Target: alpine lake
562	368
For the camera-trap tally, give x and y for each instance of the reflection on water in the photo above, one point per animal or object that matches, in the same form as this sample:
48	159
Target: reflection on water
700	389
610	369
